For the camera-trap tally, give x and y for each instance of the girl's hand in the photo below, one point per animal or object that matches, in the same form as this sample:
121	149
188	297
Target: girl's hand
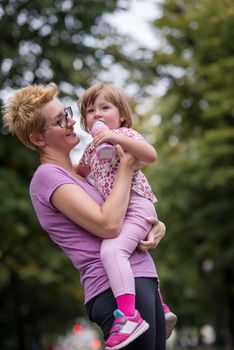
154	236
106	136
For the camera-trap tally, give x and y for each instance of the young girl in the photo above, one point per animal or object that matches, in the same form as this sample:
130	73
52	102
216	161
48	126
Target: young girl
106	103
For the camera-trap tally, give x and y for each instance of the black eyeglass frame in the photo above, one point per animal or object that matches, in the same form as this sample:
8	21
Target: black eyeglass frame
68	113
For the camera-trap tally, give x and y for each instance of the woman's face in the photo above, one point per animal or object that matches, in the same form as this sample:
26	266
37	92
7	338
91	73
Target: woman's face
59	129
104	110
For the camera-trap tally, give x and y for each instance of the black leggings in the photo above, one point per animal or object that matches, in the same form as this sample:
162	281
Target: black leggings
100	310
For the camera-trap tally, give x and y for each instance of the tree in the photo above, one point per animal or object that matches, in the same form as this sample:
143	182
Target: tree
70	43
194	175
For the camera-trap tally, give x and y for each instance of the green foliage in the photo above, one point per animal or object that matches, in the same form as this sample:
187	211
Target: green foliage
61	41
195	172
70	43
65	42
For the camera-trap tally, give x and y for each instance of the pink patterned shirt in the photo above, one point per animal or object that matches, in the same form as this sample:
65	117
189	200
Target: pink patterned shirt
104	172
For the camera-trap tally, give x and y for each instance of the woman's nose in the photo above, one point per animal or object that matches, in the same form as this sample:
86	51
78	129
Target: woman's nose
71	121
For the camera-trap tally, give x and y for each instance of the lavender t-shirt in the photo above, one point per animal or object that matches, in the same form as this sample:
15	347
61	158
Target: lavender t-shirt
81	246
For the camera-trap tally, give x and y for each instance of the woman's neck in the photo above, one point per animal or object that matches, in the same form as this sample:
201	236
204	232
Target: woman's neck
63	161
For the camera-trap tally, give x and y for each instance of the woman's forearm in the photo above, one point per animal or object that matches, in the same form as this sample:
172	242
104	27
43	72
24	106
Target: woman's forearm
116	204
103	220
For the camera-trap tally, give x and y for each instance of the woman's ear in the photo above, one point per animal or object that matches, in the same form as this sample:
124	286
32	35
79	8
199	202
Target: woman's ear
37	139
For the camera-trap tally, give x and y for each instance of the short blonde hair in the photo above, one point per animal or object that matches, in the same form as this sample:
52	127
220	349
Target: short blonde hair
113	94
22	112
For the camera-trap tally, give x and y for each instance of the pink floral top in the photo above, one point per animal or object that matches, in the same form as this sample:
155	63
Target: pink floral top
104	172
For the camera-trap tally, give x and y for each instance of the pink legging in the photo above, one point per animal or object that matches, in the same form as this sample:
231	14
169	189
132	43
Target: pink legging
115	252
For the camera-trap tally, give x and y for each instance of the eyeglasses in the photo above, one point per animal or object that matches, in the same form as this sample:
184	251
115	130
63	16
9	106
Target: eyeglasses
63	120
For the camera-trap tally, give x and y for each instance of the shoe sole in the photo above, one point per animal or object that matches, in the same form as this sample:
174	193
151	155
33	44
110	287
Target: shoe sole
170	324
139	331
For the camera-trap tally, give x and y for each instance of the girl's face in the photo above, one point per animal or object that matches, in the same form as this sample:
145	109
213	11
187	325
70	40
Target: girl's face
104	110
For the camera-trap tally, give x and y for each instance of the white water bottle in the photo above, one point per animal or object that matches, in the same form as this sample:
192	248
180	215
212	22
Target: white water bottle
104	151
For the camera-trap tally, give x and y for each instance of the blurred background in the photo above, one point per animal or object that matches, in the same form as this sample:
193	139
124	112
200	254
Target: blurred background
175	61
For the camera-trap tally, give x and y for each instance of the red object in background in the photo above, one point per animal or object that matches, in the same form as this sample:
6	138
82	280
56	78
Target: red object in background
77	328
95	344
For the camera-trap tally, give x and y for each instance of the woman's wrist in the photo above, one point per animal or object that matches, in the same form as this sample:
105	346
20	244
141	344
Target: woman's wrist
154	236
127	166
127	161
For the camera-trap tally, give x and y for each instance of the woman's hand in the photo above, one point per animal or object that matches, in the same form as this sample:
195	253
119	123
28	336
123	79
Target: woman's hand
128	159
154	236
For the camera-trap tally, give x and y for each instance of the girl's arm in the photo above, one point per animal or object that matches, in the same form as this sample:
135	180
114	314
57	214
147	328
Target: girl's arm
82	170
83	167
140	149
104	220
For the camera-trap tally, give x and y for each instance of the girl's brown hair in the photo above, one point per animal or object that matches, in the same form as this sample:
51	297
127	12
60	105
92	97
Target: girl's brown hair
112	94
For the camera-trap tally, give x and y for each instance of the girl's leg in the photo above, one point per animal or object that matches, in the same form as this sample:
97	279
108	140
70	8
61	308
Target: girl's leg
115	252
128	323
115	255
100	310
170	317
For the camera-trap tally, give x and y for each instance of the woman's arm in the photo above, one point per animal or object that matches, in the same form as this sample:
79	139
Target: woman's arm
104	221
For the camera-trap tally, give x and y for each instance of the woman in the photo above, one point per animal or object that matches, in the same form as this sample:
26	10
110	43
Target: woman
74	213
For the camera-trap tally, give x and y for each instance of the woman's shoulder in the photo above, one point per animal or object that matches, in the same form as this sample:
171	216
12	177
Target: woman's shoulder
50	176
47	177
48	171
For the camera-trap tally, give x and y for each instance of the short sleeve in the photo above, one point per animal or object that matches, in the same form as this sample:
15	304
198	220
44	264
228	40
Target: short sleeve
130	133
46	180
